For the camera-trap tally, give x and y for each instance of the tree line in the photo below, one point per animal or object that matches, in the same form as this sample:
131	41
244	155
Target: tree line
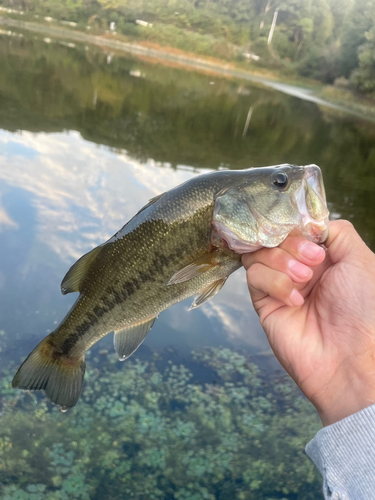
329	40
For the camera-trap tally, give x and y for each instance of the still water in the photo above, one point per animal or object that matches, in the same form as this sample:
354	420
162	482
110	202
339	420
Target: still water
202	411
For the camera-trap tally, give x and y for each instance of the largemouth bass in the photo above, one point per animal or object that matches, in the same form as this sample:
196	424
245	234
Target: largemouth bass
184	242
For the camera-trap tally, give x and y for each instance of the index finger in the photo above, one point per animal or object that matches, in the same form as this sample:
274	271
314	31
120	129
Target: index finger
296	247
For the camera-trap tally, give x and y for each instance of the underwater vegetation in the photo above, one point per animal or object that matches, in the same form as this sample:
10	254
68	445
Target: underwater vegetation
215	429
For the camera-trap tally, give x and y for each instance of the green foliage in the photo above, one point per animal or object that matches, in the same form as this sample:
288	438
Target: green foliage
306	25
363	77
149	430
306	32
322	38
320	63
356	24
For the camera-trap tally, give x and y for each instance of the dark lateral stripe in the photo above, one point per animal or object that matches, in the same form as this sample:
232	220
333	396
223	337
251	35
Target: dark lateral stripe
115	297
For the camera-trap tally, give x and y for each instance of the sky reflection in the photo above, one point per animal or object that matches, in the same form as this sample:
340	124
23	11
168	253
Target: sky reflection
60	196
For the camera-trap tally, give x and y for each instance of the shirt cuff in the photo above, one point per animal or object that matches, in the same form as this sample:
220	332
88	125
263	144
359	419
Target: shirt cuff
344	453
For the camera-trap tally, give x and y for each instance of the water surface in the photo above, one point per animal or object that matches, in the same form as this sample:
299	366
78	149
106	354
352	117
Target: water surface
86	139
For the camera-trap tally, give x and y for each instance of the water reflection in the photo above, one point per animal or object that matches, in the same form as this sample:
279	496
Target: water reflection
136	130
73	196
82	193
83	145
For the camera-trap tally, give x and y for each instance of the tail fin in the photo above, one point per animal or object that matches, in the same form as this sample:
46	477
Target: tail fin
59	376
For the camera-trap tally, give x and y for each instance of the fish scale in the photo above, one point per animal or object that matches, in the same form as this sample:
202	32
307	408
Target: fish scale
184	242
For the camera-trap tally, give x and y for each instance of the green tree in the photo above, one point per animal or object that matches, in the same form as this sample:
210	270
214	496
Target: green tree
357	23
364	77
323	39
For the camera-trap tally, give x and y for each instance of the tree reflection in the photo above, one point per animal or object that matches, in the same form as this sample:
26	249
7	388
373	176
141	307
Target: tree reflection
180	117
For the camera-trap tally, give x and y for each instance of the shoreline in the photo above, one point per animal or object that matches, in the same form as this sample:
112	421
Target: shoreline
214	66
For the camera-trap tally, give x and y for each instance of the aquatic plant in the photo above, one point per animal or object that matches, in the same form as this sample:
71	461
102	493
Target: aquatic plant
153	430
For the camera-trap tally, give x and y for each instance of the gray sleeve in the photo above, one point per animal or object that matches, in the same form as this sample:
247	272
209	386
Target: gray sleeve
344	453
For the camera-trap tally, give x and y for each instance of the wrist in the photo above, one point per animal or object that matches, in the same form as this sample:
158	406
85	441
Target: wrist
354	396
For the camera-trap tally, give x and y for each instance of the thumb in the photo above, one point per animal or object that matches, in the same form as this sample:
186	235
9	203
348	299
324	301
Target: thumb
344	241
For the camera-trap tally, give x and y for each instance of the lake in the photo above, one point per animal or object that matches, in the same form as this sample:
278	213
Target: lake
202	410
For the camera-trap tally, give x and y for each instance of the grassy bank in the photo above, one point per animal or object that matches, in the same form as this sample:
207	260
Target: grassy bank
204	53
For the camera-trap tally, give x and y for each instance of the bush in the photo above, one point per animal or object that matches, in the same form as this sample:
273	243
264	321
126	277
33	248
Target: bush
321	64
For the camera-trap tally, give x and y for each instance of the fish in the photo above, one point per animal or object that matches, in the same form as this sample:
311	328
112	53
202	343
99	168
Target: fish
185	242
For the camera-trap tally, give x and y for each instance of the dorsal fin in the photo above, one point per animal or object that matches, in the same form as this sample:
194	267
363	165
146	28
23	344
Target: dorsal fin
75	275
151	202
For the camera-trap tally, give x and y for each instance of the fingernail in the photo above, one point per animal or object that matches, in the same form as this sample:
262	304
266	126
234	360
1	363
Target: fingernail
296	298
311	251
298	269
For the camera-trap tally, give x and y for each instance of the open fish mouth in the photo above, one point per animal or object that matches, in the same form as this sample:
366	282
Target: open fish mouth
310	200
291	200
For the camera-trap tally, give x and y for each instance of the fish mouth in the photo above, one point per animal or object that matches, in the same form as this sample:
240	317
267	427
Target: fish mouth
310	200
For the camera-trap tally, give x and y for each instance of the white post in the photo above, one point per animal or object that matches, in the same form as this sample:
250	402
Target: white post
248	118
273	26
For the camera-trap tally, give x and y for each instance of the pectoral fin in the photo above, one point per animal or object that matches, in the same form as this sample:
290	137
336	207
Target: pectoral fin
207	293
76	274
127	340
195	268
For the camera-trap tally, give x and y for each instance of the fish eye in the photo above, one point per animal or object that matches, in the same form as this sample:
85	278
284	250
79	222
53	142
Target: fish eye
280	180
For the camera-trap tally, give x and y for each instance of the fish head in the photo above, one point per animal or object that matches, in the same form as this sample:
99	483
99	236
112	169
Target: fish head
270	204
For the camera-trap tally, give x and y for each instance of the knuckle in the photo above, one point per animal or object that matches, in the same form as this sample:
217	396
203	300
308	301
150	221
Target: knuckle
282	284
347	232
255	268
278	257
345	226
254	272
247	260
291	244
275	254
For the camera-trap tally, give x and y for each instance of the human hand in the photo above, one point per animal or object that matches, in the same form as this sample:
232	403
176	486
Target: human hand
317	308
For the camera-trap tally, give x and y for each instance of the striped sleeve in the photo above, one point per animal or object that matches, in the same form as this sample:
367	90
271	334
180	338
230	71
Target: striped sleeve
344	453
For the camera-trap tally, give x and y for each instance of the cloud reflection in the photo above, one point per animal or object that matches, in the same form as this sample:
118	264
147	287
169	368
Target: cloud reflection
83	193
80	188
5	220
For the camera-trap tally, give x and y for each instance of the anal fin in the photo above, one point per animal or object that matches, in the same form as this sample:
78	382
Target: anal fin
128	339
208	293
